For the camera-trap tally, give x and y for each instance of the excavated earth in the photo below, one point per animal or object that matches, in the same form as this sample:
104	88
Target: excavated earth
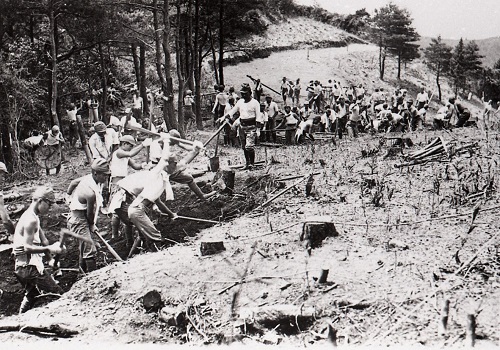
407	241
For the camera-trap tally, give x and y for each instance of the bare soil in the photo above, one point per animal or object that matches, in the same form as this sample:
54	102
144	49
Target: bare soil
392	266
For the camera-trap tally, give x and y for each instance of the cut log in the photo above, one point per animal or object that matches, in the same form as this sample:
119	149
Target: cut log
210	248
284	318
316	230
54	330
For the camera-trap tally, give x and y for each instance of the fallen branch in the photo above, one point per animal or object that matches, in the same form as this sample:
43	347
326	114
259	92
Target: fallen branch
42	331
474	257
283	192
293	177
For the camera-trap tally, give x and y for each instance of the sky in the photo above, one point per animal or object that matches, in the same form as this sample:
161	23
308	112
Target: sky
452	19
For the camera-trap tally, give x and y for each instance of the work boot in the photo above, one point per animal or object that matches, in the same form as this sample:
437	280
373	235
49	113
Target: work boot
26	304
247	158
90	265
251	157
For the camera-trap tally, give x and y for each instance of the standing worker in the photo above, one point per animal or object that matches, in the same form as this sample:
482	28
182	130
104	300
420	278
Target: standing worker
249	110
86	200
29	247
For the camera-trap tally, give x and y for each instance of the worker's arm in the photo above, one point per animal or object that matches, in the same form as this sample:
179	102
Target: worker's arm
29	233
73	185
164	209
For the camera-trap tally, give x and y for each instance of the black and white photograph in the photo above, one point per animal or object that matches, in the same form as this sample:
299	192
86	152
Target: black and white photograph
252	174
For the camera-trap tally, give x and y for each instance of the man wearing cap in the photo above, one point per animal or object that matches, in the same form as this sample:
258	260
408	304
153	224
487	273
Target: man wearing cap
29	246
272	111
249	110
120	161
85	201
54	139
104	142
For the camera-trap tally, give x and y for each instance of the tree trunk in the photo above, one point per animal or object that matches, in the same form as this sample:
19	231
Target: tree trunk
104	86
221	42
137	66
214	55
53	61
142	88
179	60
168	110
197	66
382	67
438	85
399	66
7	154
158	60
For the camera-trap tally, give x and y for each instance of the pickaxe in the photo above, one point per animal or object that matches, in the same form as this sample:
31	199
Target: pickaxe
193	219
64	233
153	133
270	88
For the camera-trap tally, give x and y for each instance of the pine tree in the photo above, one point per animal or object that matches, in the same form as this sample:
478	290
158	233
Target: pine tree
437	58
394	33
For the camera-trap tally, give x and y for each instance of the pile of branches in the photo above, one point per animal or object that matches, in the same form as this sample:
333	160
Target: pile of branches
436	150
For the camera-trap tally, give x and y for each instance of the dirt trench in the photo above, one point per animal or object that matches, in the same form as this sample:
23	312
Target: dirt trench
222	207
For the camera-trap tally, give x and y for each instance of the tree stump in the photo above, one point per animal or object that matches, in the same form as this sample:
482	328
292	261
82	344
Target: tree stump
210	248
316	229
224	180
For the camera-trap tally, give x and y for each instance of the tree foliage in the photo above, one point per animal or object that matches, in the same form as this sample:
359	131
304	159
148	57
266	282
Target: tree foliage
394	33
437	58
465	65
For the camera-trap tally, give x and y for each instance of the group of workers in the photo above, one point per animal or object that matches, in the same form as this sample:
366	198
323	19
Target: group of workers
132	198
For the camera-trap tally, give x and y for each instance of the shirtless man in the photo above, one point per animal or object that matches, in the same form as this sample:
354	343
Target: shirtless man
86	200
29	247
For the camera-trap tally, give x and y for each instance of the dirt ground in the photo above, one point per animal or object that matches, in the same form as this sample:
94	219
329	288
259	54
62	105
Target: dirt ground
406	242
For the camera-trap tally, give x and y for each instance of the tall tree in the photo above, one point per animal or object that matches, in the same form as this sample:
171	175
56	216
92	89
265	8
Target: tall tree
465	64
394	33
437	58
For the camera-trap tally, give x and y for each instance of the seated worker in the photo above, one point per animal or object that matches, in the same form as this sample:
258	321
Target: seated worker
442	117
463	113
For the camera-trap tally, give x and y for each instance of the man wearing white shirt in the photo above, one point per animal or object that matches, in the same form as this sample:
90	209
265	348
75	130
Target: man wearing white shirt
249	110
103	142
422	99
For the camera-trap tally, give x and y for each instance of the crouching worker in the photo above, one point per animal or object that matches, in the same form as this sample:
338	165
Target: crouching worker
143	199
85	203
29	247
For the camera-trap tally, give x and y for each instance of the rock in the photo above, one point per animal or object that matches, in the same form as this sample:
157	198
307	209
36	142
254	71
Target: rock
173	316
152	301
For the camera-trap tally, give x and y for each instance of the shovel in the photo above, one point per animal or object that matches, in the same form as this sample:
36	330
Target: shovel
214	161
